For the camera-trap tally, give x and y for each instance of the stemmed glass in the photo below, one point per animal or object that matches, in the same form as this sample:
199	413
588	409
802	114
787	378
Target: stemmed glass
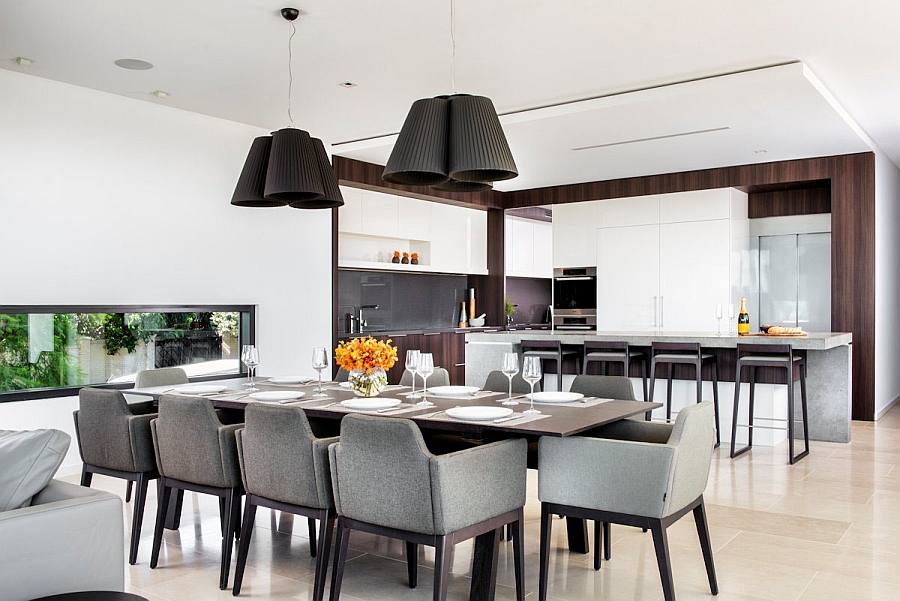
719	319
250	358
731	318
531	373
425	369
510	368
412	366
319	362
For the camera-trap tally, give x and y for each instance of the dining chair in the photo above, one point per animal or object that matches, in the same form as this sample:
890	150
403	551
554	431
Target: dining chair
197	452
386	482
648	483
604	387
342	375
163	376
285	467
498	382
114	440
440	377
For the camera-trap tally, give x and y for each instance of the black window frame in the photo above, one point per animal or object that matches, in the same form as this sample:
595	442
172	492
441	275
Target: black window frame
63	391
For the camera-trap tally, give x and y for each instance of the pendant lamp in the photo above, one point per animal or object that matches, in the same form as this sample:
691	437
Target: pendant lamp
450	140
289	167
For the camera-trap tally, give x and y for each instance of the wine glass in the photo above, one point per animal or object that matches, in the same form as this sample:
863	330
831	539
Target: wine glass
412	365
510	368
731	316
719	319
425	369
531	373
250	358
319	362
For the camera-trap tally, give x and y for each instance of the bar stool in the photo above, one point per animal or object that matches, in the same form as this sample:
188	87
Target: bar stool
780	356
684	353
613	352
549	350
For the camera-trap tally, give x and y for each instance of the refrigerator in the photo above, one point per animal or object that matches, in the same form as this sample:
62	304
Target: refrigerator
795	281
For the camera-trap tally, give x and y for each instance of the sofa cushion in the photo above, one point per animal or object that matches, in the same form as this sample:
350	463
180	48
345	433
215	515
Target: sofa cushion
29	458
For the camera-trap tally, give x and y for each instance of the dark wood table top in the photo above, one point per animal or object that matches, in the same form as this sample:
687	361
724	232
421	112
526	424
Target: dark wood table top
562	421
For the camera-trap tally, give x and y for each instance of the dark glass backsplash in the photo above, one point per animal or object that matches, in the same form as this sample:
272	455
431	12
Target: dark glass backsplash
533	296
406	301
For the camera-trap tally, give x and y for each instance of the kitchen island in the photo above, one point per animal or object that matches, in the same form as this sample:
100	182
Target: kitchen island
828	358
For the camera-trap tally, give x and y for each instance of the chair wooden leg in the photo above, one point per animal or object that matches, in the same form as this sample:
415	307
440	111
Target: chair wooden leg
236	516
752	406
340	558
311	526
232	499
644	378
598	544
706	546
162	509
326	533
518	530
138	516
607	541
803	409
669	392
441	567
661	544
222	502
412	563
734	413
649	414
128	491
546	529
86	476
244	546
715	384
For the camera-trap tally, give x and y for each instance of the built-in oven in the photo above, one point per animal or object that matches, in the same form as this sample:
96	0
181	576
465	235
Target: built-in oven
575	298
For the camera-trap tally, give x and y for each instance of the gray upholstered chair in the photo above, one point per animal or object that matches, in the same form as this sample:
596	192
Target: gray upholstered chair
285	467
196	452
620	479
114	440
342	375
604	387
386	482
440	377
498	382
164	376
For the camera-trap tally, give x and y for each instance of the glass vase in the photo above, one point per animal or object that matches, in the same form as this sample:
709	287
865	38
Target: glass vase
367	384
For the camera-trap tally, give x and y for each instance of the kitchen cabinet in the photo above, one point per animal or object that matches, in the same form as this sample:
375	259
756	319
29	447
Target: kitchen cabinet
543	249
413	219
624	212
380	214
575	234
350	214
627	278
529	248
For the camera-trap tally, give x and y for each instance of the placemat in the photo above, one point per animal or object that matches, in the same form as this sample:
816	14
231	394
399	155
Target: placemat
585	402
398	410
520	419
463	397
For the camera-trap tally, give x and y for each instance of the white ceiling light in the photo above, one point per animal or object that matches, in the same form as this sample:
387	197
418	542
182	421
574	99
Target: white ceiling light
22	61
760	151
347	84
133	64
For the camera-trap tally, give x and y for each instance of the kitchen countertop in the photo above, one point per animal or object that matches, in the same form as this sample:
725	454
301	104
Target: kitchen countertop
819	341
420	331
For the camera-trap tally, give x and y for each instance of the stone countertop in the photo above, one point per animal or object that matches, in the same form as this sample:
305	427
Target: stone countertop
400	332
814	341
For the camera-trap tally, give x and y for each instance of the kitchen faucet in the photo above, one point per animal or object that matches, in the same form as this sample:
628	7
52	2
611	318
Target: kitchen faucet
362	322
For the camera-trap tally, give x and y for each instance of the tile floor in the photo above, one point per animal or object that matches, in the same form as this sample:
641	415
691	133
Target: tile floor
827	528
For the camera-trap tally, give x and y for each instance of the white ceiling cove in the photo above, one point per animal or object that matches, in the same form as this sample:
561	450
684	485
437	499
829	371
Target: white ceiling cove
228	58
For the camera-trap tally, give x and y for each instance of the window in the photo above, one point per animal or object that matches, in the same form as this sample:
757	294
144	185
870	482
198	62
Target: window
53	351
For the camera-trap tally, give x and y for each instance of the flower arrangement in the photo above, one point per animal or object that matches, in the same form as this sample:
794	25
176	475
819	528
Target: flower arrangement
415	259
396	258
365	354
405	260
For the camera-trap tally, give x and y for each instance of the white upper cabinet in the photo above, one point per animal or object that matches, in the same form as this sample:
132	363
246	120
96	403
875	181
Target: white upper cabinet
380	214
628	278
623	212
414	219
450	238
522	259
700	205
543	249
350	214
529	248
575	234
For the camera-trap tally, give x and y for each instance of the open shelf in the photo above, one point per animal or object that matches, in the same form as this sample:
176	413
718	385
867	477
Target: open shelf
400	268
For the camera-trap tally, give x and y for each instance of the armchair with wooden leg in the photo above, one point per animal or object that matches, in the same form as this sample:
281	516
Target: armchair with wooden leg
648	483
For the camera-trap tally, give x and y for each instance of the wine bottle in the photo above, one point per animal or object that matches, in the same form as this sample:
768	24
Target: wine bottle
463	321
743	318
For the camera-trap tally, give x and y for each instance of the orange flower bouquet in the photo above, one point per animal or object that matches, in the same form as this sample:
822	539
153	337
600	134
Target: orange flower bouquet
367	360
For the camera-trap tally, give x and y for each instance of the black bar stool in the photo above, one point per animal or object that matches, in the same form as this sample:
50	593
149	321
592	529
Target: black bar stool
780	356
605	353
684	353
549	350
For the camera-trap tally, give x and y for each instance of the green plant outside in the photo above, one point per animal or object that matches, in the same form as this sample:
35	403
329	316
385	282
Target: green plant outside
52	368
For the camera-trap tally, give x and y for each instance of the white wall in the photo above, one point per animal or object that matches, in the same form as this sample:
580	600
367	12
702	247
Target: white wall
109	200
887	283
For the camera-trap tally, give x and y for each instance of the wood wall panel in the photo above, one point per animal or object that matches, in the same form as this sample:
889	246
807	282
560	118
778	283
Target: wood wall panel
794	201
490	289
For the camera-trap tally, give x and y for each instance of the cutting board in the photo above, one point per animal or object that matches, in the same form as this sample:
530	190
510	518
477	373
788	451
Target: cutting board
801	335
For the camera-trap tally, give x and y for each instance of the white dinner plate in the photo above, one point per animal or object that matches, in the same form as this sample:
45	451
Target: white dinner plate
199	388
276	395
452	390
556	397
290	380
370	404
479	413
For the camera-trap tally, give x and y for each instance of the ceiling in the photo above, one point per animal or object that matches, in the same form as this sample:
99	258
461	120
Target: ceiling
227	58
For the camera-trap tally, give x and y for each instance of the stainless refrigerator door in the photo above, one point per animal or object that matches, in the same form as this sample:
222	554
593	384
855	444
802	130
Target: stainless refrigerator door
814	282
778	279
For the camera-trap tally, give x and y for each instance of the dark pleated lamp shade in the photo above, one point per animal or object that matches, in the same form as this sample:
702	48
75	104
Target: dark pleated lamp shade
453	185
419	157
332	196
251	185
293	174
479	151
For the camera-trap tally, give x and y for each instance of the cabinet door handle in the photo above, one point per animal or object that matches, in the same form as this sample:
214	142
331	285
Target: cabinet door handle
397	335
433	333
655	311
662	311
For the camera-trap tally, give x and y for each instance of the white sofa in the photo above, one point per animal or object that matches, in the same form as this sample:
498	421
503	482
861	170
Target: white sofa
69	539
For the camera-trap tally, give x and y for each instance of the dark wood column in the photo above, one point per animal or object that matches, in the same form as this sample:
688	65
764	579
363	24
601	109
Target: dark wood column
491	288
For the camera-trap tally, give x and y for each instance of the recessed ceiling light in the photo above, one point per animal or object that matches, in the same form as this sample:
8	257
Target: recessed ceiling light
347	84
761	151
133	64
160	94
22	61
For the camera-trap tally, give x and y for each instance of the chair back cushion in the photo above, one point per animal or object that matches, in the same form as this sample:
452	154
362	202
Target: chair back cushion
498	382
29	459
342	375
694	435
101	424
160	377
381	473
277	462
188	443
604	387
440	377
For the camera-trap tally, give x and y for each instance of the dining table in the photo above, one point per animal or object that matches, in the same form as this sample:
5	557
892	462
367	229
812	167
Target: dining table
573	418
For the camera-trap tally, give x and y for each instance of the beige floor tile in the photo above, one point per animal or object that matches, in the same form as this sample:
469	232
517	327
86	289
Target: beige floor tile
834	587
769	522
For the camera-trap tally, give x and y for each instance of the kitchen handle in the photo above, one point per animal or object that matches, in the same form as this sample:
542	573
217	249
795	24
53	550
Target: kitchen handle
433	333
575	278
655	311
662	311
